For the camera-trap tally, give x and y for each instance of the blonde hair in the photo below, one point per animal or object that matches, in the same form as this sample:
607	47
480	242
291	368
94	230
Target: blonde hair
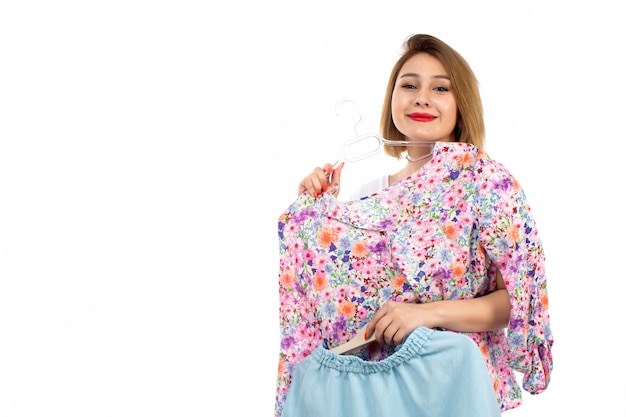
470	126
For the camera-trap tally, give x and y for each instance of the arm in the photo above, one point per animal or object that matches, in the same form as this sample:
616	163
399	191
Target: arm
508	234
394	321
486	313
299	332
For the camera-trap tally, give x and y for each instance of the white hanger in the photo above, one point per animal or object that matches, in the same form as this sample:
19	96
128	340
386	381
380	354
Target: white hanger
356	342
364	146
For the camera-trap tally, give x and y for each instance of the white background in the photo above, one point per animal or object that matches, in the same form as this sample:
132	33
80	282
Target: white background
147	149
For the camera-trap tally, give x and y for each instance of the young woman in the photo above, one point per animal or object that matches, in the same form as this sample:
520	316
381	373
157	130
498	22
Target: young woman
448	243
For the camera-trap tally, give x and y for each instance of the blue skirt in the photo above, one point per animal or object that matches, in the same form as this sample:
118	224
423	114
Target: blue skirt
433	373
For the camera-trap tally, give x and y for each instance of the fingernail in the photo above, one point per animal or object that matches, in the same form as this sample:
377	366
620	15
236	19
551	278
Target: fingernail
365	336
324	187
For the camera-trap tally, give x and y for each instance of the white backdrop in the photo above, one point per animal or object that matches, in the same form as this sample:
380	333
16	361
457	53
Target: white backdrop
147	149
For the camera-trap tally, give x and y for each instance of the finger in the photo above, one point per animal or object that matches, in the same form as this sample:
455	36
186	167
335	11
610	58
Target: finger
336	174
370	328
335	180
314	183
307	184
328	170
391	334
398	337
383	330
320	180
301	188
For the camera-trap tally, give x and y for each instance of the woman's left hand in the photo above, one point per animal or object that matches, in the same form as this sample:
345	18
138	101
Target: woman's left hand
394	321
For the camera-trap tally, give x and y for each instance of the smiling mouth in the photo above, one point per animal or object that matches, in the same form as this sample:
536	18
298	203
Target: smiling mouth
422	117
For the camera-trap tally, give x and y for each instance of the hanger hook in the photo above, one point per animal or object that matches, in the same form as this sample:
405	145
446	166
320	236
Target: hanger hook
359	122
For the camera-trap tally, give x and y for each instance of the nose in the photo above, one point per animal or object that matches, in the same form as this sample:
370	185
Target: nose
421	98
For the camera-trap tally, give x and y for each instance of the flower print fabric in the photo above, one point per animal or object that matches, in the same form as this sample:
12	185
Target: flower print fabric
439	234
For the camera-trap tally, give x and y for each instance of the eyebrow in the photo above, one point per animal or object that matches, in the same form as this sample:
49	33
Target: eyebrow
412	74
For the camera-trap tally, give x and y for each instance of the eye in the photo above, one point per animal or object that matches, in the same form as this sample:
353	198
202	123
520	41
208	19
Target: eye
409	86
441	89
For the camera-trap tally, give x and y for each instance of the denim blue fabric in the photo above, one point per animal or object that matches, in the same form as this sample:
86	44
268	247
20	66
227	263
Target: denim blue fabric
433	373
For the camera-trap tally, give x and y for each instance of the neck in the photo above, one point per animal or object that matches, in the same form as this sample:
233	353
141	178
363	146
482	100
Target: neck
413	164
419	158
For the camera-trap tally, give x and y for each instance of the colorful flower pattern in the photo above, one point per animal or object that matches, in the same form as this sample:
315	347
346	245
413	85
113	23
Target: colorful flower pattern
437	235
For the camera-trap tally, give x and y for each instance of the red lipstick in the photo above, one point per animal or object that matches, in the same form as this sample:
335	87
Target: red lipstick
422	117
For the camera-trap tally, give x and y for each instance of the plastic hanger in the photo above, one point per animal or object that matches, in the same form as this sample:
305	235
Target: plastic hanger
369	144
356	342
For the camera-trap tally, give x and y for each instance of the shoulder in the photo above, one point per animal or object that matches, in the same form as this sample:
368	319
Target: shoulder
467	156
490	177
493	173
499	192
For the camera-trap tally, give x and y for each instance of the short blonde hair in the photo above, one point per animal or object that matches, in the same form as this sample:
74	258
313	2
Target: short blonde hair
470	125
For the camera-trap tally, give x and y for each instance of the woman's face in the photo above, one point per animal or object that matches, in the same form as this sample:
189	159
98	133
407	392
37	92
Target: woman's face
423	107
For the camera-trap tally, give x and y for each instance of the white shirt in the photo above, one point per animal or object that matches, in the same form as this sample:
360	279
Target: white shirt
371	187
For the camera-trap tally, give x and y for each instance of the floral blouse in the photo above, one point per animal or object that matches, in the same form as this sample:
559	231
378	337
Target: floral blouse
439	234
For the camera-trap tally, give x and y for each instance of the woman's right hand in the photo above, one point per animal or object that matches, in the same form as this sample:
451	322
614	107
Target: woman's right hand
325	179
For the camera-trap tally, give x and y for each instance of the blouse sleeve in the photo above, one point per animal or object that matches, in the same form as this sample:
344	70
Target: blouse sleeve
299	334
508	234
